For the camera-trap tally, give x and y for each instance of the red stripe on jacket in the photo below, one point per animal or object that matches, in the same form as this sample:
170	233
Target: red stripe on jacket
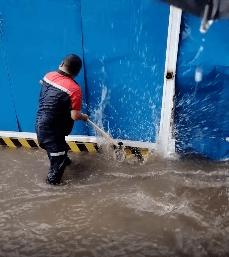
67	85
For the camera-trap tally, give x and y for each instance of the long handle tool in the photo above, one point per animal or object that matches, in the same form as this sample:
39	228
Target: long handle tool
119	149
112	141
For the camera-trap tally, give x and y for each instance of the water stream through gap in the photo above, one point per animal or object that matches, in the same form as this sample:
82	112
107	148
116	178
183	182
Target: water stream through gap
107	208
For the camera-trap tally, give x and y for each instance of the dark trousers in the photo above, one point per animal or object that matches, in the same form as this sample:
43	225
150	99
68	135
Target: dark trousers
57	166
56	148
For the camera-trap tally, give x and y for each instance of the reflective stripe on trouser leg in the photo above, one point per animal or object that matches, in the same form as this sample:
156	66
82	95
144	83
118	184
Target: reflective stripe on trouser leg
58	164
58	154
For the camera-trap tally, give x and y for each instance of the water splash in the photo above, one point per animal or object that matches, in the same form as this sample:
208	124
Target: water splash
197	56
99	113
198	74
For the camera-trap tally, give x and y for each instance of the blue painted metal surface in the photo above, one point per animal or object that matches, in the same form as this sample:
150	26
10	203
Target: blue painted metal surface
122	44
202	104
124	52
8	120
36	36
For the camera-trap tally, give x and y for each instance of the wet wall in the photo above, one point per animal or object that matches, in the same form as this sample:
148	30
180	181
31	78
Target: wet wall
124	53
122	45
123	48
35	36
202	89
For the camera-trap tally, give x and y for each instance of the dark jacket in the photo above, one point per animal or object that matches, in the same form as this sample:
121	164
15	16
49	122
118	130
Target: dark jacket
58	95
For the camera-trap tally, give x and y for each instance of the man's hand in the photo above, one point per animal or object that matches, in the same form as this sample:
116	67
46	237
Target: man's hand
77	115
84	117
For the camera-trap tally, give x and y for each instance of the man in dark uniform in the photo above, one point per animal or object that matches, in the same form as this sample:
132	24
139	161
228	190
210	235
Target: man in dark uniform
59	106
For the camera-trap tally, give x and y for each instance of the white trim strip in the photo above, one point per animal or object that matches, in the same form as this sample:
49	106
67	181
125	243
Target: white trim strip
165	143
14	134
82	139
56	85
58	154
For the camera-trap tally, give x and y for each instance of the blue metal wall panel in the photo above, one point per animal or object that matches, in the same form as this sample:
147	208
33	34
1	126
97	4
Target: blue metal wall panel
202	105
124	52
36	36
7	111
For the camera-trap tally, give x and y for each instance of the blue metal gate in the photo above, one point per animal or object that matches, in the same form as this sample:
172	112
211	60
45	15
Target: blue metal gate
35	36
122	43
124	52
202	89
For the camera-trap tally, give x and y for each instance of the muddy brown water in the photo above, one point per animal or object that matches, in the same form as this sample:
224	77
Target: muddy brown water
106	208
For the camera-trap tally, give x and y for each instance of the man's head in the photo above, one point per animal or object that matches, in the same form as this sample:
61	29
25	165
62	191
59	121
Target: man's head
71	65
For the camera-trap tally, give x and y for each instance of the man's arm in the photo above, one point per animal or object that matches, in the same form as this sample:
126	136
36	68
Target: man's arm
76	100
77	115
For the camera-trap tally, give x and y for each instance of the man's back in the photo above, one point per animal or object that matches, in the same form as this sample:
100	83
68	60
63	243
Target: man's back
55	104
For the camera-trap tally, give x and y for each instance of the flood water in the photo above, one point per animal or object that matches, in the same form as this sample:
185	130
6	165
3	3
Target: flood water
107	208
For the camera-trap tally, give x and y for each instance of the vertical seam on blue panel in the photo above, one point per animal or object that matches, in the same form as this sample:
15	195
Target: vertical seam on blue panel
11	89
82	43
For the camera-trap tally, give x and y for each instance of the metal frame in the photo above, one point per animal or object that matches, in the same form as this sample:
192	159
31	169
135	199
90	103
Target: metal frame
165	142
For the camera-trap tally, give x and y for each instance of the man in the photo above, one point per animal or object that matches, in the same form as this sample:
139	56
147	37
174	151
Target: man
59	106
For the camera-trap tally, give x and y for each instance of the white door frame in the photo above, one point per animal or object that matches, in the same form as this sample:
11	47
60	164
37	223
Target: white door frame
166	142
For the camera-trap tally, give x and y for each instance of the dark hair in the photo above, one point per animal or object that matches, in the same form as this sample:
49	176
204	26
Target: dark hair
73	64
